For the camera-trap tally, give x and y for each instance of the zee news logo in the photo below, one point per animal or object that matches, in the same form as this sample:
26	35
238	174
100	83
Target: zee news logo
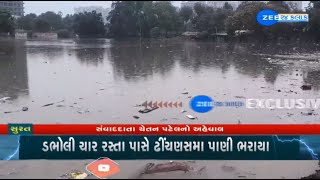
270	17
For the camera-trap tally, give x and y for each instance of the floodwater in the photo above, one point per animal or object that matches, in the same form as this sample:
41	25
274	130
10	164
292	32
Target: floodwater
101	81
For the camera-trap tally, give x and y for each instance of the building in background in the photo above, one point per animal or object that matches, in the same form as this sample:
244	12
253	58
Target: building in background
104	11
14	7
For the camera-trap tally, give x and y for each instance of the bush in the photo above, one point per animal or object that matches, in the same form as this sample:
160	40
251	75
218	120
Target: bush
64	33
155	32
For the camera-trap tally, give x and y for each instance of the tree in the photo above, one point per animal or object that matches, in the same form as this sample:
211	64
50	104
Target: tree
245	17
283	30
313	26
68	22
199	9
6	22
138	18
123	20
186	13
88	24
208	19
26	22
147	19
227	6
279	6
168	17
55	20
41	25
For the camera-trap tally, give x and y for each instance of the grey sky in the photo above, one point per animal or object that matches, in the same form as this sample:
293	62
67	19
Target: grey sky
67	7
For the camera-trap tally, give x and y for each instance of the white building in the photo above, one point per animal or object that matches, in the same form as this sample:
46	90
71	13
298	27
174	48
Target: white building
16	8
104	11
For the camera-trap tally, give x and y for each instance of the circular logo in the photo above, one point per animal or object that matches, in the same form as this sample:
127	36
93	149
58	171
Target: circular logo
201	104
267	17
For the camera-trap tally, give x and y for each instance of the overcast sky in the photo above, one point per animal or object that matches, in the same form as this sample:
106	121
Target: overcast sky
67	7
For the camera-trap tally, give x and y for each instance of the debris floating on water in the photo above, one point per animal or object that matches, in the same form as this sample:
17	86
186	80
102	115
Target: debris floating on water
151	168
190	117
25	109
148	110
306	87
201	170
74	175
183	111
227	168
185	92
240	97
4	98
82	112
136	117
307	113
50	104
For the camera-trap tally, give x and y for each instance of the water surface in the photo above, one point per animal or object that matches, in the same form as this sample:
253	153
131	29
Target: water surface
101	80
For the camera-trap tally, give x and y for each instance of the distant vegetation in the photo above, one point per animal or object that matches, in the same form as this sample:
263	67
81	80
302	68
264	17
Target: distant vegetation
6	22
162	19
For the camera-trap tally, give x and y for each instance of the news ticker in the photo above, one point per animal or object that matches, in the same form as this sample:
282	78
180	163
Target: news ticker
173	147
160	129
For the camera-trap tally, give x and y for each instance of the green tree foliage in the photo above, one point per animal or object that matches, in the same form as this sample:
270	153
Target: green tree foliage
49	20
41	25
245	17
53	19
168	18
284	30
88	24
137	18
63	33
199	9
227	6
123	21
209	19
313	27
186	13
26	22
6	22
68	21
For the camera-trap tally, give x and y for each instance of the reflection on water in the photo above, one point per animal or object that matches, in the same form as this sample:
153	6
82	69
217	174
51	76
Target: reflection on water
13	69
90	56
102	80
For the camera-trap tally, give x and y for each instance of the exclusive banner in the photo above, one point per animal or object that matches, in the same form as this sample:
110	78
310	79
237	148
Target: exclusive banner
160	147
